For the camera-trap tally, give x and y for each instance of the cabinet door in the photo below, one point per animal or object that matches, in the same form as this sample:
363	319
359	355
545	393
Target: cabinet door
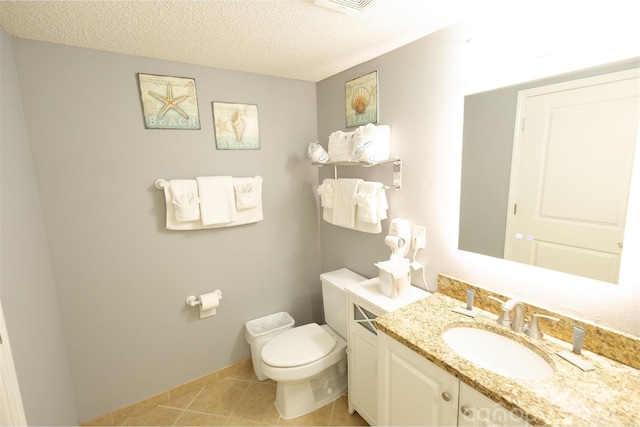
476	409
363	361
363	391
412	390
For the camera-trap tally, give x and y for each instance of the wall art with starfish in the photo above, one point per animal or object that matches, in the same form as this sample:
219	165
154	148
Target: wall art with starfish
169	102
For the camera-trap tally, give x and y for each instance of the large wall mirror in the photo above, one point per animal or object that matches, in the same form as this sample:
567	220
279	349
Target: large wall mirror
492	186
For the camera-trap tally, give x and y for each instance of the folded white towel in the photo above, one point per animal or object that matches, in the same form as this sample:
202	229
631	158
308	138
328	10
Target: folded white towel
217	199
326	192
344	206
371	143
246	193
368	201
340	146
185	200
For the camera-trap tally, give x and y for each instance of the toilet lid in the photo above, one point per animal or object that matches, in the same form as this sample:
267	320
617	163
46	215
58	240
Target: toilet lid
298	346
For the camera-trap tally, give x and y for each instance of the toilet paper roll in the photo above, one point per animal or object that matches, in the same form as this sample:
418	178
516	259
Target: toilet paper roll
210	300
394	242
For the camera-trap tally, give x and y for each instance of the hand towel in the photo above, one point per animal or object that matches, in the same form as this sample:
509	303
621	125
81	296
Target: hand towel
185	200
382	206
245	192
326	192
217	199
368	201
344	203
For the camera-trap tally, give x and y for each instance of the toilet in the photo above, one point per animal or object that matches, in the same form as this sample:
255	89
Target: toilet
309	362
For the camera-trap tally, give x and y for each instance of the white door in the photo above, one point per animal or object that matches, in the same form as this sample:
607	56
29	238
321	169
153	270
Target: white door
573	157
11	409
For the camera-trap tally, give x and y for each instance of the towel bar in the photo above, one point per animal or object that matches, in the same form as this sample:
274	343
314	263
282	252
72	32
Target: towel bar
160	183
397	169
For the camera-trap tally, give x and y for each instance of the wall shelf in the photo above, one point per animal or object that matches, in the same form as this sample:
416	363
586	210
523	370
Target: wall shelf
396	162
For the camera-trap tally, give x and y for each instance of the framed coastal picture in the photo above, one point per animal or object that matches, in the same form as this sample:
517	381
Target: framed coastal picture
236	126
168	102
361	100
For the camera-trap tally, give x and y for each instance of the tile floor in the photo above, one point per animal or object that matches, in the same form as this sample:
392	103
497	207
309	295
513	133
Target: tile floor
236	399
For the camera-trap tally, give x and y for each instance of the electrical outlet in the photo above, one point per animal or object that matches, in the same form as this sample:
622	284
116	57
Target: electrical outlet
418	239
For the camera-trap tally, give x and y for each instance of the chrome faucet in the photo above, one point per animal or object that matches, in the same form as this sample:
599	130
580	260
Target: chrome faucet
512	314
517	318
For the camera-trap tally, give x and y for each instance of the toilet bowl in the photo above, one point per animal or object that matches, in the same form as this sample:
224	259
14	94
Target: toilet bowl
309	362
310	366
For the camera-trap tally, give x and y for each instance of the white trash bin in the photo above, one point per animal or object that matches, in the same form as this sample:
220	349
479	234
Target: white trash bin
259	331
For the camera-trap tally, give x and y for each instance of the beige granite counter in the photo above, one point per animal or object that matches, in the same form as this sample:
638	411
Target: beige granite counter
606	396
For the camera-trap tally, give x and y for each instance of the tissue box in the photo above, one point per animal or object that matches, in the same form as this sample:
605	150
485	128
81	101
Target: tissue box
393	287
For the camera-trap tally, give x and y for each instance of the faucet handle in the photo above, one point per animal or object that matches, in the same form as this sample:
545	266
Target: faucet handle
505	315
533	328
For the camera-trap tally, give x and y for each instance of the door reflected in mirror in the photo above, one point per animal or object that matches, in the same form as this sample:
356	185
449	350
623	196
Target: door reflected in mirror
546	170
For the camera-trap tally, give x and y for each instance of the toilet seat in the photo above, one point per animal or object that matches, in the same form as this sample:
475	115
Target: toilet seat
298	346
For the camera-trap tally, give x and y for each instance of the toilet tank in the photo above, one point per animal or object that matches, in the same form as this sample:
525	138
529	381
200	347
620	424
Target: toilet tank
334	297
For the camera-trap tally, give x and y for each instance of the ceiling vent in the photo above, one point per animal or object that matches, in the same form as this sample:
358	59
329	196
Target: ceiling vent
345	6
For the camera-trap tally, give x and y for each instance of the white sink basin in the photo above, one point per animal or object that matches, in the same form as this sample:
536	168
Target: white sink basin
497	353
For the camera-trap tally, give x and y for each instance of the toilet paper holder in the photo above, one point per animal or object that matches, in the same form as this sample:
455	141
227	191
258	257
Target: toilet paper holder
208	307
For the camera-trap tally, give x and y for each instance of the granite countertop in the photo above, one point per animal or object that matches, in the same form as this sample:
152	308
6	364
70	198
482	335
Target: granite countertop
608	395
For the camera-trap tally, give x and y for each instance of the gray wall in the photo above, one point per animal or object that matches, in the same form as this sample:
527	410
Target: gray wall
27	290
422	89
121	277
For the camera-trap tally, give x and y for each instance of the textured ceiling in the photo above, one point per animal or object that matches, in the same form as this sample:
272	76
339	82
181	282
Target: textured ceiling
286	38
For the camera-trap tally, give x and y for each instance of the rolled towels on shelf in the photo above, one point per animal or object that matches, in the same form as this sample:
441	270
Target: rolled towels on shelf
341	146
371	143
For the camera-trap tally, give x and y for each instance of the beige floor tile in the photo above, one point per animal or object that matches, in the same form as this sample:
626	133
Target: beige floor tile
104	420
257	404
240	422
158	416
341	416
181	397
199	419
131	411
319	417
220	397
240	371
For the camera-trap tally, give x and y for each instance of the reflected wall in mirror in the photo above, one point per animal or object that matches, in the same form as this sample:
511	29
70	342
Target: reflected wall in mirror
488	149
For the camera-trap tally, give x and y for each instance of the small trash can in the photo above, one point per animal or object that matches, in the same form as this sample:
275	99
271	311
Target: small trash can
259	331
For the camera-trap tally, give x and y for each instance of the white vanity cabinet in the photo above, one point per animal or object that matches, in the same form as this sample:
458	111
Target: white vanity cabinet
414	391
476	409
365	304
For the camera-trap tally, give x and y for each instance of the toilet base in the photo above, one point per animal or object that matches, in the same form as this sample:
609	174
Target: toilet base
297	398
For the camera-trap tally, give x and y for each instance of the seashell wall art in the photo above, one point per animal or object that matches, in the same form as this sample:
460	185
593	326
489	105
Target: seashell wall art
236	126
361	100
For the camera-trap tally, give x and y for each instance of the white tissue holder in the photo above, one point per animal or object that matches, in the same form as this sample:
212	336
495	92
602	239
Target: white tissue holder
193	301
